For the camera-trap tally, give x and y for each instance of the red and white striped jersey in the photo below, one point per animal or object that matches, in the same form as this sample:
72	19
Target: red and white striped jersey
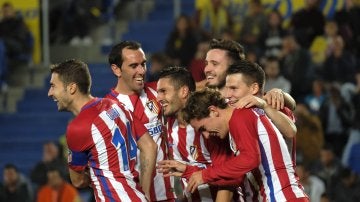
146	108
102	138
189	147
252	135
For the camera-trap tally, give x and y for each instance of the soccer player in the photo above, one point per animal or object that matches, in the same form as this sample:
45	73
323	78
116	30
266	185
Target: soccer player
174	86
102	138
258	145
221	54
128	63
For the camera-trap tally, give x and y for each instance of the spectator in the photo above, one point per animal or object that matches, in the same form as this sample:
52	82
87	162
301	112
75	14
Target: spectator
16	187
51	157
57	187
158	61
212	17
328	168
296	66
181	43
347	188
197	64
273	77
15	33
307	23
80	17
315	99
354	133
323	45
336	117
254	27
18	42
314	187
349	27
272	38
310	136
340	65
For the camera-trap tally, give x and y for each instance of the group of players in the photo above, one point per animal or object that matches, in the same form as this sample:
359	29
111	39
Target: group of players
227	142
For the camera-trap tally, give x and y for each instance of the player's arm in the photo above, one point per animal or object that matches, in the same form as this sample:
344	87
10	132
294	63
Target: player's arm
148	152
285	125
79	179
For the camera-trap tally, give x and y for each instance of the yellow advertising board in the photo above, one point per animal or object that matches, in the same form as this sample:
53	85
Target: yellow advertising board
30	10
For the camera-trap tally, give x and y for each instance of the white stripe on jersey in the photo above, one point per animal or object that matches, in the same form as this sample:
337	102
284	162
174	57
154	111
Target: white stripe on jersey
272	186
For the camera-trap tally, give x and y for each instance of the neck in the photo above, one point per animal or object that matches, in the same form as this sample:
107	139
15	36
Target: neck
227	113
123	89
79	103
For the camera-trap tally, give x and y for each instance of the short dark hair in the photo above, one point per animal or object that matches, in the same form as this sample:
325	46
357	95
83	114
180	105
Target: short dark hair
235	51
179	77
74	71
252	72
197	106
11	166
115	55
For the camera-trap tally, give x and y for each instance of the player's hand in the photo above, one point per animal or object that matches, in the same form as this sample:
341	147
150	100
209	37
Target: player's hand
171	168
194	181
250	101
275	98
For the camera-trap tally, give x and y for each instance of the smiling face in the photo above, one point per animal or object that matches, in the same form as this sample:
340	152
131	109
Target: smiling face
236	88
132	72
169	97
59	93
213	125
217	62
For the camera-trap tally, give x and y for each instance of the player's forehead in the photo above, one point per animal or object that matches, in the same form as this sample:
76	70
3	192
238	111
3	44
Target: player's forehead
198	123
133	56
165	83
218	55
55	78
235	79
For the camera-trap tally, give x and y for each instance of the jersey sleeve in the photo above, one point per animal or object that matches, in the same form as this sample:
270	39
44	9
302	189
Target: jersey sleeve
244	130
78	153
139	128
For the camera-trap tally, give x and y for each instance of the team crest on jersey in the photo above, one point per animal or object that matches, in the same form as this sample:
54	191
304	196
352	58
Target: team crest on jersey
233	146
193	151
152	106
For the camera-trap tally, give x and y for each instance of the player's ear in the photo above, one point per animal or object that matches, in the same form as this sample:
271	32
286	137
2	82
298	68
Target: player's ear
255	88
72	88
213	111
184	91
116	70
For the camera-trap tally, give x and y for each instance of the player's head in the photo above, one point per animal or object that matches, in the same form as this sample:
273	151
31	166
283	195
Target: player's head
11	175
221	54
243	78
202	112
174	87
128	63
67	79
